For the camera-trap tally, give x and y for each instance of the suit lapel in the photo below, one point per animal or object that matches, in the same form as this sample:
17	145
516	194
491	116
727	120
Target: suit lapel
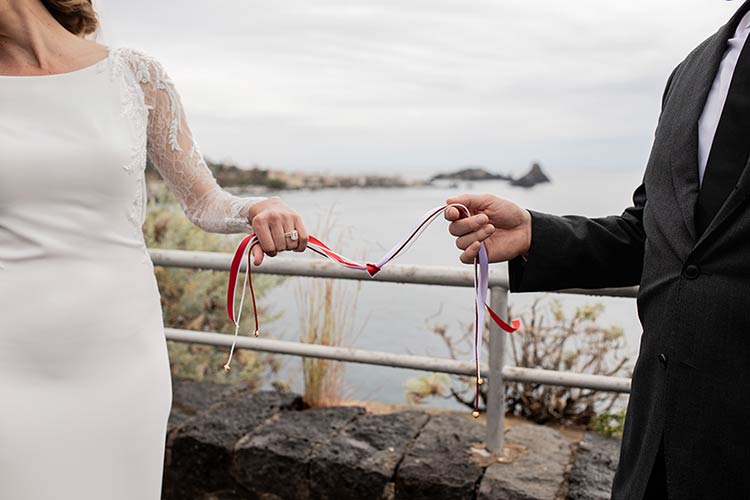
735	199
740	193
690	95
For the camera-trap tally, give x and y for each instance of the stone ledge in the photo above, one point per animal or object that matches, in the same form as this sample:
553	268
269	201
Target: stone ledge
594	469
190	398
275	459
226	443
537	473
360	462
201	447
440	464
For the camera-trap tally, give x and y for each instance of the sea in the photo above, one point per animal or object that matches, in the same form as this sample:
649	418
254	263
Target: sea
400	318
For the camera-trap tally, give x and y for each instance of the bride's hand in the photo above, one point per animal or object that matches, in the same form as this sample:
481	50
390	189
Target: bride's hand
271	220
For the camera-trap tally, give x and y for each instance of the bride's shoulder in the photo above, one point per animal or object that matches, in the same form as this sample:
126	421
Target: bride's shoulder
131	55
145	67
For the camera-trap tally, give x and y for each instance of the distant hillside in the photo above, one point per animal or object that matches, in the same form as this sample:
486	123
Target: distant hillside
233	176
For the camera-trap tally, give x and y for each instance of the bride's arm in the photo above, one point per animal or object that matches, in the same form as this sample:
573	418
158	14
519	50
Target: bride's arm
173	151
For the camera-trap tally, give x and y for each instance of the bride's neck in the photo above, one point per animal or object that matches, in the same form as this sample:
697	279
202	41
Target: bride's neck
30	36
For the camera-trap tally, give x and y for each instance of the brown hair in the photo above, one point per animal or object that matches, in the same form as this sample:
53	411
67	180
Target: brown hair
76	16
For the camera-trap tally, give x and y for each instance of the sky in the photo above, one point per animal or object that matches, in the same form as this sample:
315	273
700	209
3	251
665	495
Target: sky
418	86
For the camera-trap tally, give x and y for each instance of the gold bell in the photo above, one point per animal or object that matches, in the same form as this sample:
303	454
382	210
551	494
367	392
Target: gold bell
257	333
227	367
475	414
480	381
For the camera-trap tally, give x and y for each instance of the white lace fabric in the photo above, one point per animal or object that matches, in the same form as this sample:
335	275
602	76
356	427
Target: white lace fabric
172	150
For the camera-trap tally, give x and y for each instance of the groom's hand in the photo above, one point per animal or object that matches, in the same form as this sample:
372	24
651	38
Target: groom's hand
271	220
504	227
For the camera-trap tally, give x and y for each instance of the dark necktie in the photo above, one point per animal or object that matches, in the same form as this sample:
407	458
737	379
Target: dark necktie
731	147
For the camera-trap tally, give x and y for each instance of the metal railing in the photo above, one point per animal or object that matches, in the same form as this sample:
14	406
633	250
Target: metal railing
496	372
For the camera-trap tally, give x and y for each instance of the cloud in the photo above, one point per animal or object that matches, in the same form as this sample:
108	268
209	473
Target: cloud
419	85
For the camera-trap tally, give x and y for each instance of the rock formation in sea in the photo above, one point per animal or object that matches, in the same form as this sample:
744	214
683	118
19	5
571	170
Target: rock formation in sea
533	177
471	174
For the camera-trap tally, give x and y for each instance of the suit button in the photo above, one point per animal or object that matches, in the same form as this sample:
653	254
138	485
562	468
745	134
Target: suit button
691	271
663	359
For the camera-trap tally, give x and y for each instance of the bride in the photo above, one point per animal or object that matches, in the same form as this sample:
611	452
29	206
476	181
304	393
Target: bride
84	375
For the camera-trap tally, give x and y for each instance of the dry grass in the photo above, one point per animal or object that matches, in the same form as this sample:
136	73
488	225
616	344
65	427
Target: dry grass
327	311
325	314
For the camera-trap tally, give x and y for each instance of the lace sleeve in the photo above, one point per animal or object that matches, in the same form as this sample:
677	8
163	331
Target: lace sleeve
175	155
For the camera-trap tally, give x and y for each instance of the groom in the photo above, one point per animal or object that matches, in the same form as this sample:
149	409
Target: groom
686	241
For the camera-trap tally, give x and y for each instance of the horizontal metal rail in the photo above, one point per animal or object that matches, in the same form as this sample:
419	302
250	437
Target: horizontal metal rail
319	268
421	363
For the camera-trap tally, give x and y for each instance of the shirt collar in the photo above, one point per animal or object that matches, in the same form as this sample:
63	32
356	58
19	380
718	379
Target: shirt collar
745	22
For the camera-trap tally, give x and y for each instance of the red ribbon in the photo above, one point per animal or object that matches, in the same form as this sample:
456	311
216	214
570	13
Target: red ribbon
245	247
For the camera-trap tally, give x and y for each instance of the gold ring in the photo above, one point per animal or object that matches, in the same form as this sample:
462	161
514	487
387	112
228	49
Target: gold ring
292	235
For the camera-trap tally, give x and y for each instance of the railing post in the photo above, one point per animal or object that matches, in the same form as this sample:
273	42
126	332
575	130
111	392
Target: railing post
496	388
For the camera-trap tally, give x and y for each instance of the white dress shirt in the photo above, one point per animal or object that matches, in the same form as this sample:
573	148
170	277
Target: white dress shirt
709	120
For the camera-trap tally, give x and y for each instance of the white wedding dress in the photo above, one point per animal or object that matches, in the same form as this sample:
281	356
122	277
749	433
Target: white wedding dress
85	387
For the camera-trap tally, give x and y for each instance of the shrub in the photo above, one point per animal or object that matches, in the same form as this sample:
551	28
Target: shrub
552	340
426	386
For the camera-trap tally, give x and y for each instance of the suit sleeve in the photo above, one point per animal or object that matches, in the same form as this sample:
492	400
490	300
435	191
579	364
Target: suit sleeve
579	252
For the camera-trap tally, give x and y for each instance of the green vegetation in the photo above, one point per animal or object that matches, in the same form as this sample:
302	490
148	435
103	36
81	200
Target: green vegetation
195	300
275	184
609	423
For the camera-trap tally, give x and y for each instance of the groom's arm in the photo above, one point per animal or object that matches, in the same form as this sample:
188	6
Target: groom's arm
577	252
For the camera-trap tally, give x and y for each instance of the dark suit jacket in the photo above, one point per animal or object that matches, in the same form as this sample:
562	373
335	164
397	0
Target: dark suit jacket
691	382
